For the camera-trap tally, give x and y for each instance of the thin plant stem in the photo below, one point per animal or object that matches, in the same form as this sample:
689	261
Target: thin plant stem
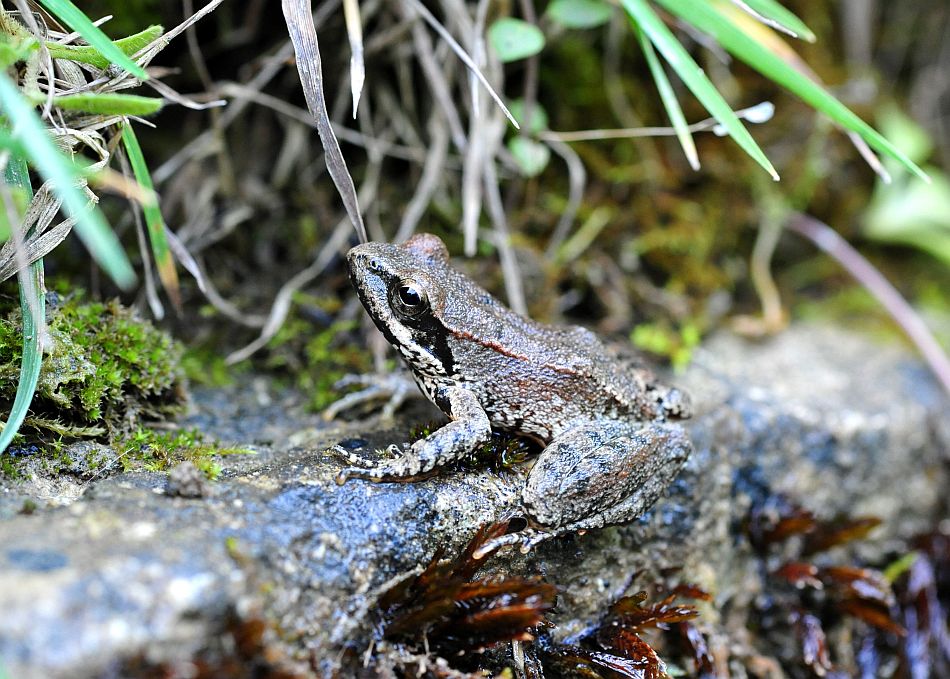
828	240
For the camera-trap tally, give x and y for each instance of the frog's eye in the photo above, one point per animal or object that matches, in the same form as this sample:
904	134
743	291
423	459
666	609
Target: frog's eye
409	298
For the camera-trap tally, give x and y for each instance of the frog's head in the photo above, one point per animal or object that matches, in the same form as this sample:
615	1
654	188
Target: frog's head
403	288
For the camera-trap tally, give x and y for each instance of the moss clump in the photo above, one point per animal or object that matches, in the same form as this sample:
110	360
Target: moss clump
159	451
105	369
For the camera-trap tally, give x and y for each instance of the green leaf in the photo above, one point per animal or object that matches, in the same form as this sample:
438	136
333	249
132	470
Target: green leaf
532	157
912	212
905	133
87	54
775	15
153	218
668	97
43	154
107	103
539	117
31	283
580	13
73	17
704	17
514	39
694	77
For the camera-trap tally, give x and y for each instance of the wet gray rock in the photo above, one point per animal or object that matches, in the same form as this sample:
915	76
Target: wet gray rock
98	582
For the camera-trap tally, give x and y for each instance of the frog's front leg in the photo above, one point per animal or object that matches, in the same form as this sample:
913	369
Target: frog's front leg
468	429
597	474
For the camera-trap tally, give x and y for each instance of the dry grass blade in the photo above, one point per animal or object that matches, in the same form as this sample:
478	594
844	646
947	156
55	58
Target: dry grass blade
180	99
461	54
760	113
40	239
437	82
496	211
303	34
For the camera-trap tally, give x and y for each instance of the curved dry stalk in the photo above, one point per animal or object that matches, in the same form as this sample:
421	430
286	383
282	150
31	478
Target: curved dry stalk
475	158
773	316
180	99
284	298
577	180
828	240
506	254
151	291
428	182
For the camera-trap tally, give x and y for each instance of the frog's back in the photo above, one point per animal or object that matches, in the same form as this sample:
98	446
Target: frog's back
537	378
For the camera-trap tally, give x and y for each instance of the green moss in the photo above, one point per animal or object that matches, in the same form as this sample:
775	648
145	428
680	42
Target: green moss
676	344
159	451
104	370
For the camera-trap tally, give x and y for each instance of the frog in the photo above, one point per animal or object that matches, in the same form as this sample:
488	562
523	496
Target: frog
611	433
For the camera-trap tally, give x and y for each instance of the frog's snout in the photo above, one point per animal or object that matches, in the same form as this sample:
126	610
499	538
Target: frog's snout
355	256
361	258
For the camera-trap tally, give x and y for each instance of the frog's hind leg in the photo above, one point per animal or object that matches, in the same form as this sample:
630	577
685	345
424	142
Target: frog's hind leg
595	475
468	429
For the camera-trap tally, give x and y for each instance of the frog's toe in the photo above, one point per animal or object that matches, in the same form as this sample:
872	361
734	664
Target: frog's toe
348	473
350	457
532	538
527	539
493	545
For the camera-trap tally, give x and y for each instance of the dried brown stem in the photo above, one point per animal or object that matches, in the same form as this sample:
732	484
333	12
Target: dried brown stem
874	282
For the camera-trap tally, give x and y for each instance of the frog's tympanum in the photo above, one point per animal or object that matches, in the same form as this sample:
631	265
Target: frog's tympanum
612	444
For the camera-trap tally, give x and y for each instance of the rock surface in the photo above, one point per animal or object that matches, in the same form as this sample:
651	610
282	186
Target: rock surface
100	575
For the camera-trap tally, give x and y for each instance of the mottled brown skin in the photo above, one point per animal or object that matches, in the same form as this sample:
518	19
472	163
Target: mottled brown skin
612	445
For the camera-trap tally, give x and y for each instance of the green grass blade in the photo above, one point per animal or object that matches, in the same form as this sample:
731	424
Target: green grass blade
106	104
74	17
153	218
668	97
694	78
43	154
17	175
87	54
707	19
777	16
